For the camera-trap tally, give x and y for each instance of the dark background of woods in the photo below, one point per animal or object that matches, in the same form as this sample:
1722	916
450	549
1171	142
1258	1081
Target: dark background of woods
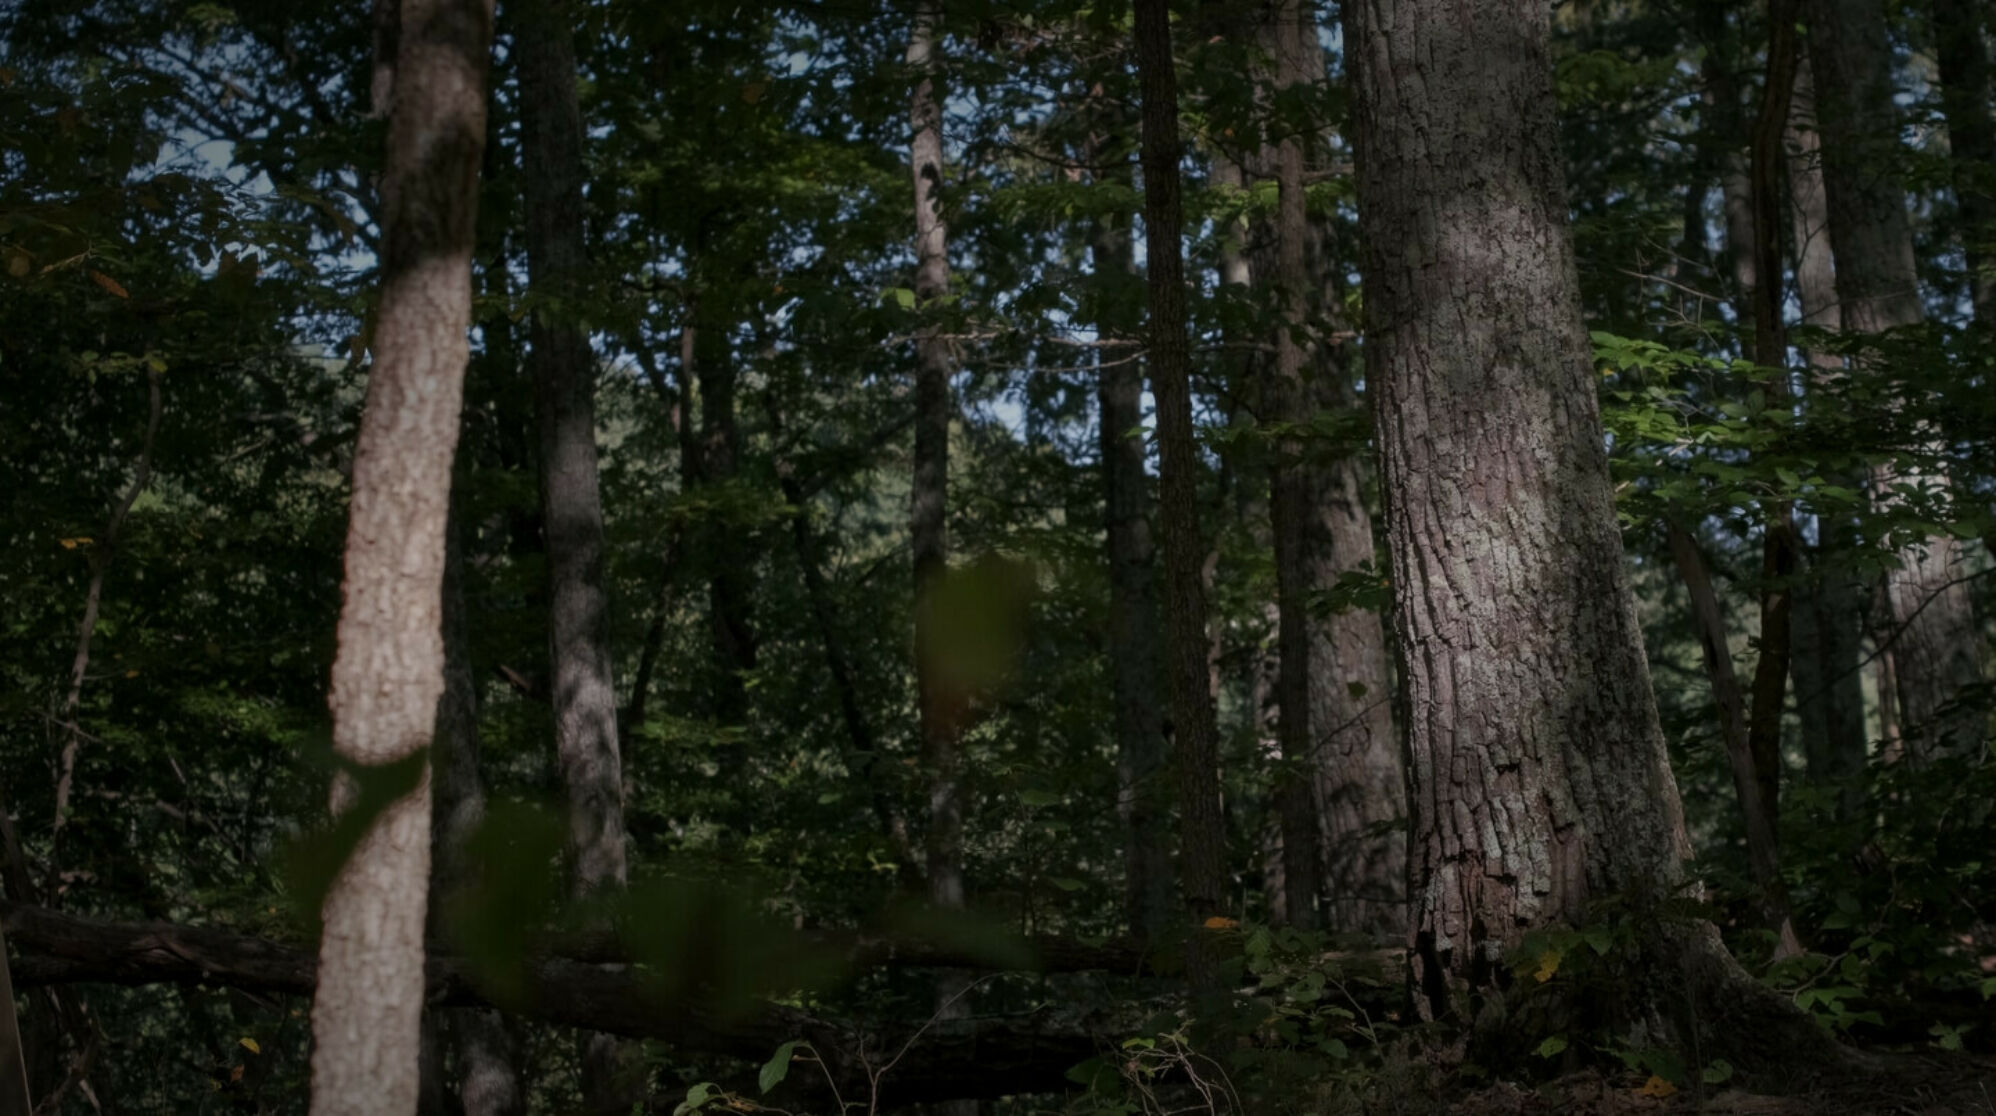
809	559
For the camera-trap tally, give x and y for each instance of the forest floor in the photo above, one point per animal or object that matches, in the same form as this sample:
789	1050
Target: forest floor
1881	1084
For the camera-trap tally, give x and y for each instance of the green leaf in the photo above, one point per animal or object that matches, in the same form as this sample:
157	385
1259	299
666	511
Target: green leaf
1065	884
1717	1073
777	1068
1550	1047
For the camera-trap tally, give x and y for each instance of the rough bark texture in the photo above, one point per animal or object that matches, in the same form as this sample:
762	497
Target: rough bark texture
582	688
468	1053
1963	60
1828	619
1202	837
941	706
1359	763
1539	774
1135	668
1936	643
388	672
1288	404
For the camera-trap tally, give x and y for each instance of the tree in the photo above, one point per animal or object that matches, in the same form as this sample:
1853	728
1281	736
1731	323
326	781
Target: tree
1201	836
1937	646
430	81
583	689
1540	782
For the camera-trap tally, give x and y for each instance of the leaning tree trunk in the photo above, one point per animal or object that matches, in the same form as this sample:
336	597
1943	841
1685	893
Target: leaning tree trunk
582	689
1962	57
1134	666
388	672
941	704
1935	641
487	1078
1540	779
1202	836
1829	604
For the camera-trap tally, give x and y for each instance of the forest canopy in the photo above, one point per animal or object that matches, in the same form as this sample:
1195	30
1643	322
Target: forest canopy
1007	556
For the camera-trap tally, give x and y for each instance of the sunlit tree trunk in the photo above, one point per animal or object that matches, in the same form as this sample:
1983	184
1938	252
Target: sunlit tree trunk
389	670
581	689
1540	779
1936	643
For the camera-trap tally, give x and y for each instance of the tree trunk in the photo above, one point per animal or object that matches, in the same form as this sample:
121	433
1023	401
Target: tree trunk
1936	642
1829	605
582	688
1202	836
1540	779
1359	768
480	1045
388	672
728	582
1963	60
1134	666
941	704
1289	406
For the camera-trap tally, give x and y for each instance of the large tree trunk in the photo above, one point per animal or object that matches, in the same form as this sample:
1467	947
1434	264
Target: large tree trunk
1829	603
480	1047
388	672
1963	60
940	703
582	689
1936	643
1202	836
1134	666
1540	779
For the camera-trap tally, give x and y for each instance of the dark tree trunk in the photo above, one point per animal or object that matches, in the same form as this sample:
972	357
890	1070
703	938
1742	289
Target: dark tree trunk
581	686
388	672
1288	404
1963	58
729	586
1829	602
1135	669
941	705
478	1041
1936	642
1202	836
1540	779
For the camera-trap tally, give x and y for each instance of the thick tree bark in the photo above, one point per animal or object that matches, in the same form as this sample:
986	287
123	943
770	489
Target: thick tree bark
582	687
1829	606
1963	59
1202	836
388	672
1540	779
1936	642
1134	666
941	705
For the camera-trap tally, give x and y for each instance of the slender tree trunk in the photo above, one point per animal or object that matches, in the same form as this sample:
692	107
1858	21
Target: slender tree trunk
1829	605
388	672
1202	836
1134	666
1936	642
1290	496
1728	126
729	587
582	688
1963	58
480	1045
1540	779
941	707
